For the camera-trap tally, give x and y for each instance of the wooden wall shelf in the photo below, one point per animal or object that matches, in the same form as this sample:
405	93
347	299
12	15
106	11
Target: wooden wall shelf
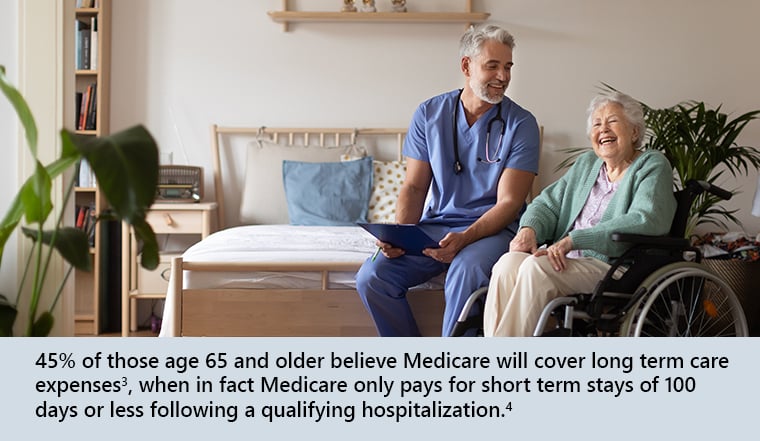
378	17
285	17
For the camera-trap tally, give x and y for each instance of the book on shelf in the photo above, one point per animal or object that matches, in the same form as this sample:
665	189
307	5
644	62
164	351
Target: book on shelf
85	220
81	216
94	43
83	108
86	4
86	177
82	45
88	108
89	122
78	103
92	218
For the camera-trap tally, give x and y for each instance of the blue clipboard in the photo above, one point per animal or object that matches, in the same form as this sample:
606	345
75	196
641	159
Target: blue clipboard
409	237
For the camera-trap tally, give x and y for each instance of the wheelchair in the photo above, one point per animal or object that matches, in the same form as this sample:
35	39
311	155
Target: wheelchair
657	288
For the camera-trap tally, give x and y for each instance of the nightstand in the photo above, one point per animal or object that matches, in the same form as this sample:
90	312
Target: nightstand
197	219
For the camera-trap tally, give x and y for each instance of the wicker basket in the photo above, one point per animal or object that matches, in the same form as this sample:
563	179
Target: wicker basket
744	278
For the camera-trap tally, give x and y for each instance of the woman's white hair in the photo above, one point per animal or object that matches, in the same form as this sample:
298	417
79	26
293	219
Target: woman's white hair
632	110
472	40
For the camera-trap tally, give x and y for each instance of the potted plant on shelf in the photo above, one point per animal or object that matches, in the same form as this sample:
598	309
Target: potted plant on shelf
125	165
701	143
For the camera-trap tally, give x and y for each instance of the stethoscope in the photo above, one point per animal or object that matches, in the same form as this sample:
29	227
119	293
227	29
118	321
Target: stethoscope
457	163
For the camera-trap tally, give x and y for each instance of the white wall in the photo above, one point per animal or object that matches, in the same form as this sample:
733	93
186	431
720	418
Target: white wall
8	141
181	65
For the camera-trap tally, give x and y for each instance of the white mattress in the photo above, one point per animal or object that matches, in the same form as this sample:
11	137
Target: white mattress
277	244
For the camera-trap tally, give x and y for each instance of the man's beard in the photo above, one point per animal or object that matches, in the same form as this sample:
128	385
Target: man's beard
481	91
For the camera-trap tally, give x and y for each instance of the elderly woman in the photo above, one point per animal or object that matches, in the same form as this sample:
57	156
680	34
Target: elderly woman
617	187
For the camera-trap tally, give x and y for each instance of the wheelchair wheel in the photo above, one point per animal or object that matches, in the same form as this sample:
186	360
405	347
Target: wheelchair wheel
685	300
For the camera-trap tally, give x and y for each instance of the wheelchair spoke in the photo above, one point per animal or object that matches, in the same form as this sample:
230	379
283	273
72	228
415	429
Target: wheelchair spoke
692	302
688	302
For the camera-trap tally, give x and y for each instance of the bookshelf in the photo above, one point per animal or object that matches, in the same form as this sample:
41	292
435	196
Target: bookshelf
91	64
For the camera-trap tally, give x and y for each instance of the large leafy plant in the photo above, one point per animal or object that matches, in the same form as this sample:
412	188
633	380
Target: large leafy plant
126	167
701	143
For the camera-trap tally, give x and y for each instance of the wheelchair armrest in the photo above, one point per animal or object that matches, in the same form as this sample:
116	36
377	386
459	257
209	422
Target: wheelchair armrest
653	241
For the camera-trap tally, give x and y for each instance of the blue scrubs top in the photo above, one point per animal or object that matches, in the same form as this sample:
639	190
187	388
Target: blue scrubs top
460	199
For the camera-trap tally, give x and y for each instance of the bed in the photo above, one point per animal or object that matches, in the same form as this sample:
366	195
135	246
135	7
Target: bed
258	275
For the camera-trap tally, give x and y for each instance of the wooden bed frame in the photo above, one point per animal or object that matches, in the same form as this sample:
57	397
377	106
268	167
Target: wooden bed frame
285	312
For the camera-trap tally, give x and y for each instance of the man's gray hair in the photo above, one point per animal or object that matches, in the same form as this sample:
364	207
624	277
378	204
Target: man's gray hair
632	111
472	40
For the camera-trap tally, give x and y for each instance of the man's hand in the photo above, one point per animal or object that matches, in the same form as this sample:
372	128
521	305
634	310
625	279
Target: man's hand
450	245
389	250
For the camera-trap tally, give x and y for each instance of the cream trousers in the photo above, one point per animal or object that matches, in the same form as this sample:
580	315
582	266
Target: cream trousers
522	284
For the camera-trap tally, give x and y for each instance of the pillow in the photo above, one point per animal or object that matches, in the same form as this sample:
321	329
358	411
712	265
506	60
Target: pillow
263	198
327	193
353	152
388	177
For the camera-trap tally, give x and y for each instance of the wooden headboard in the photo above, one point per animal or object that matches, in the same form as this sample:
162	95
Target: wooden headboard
319	137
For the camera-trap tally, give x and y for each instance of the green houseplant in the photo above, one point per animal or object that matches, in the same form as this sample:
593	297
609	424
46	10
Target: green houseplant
701	143
126	167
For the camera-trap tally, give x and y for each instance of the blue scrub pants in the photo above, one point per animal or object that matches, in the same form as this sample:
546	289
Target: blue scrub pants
384	283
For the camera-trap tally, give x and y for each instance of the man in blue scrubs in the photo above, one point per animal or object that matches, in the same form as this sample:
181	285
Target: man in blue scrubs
471	158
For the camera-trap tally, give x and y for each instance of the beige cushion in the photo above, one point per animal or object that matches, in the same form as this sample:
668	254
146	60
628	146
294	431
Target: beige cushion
263	199
386	185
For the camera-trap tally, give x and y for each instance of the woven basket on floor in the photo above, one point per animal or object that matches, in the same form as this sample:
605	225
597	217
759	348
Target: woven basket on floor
744	278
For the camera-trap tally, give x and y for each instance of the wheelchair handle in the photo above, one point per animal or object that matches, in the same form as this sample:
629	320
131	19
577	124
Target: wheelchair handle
699	187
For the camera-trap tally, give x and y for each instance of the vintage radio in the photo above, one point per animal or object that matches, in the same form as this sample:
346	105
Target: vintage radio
179	183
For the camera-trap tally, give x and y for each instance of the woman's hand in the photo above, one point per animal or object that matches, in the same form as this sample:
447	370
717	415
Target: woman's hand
524	240
557	252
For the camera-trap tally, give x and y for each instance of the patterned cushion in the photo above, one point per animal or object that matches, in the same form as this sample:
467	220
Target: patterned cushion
386	184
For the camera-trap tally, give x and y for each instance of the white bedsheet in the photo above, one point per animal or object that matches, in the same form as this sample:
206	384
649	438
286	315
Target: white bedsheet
276	244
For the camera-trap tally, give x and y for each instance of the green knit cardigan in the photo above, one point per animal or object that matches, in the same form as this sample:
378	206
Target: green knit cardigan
643	204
